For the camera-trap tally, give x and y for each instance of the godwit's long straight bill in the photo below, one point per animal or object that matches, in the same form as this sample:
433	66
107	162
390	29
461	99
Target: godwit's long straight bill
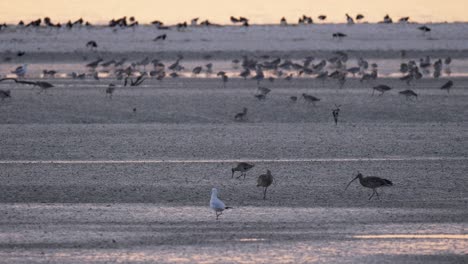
148	161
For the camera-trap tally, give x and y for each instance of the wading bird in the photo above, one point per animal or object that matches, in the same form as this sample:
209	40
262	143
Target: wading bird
408	94
335	113
382	88
447	86
310	98
371	182
265	180
216	204
242	167
5	94
241	116
110	90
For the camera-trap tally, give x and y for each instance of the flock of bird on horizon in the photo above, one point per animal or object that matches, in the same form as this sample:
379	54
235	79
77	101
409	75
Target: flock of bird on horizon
260	69
131	22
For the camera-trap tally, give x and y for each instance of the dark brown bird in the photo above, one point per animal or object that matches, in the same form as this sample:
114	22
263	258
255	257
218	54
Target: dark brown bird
381	88
242	167
160	37
408	94
310	98
335	113
265	180
241	116
371	182
5	94
447	86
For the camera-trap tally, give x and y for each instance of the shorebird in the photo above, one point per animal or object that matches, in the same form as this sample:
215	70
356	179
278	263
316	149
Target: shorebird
408	94
21	70
339	35
403	20
447	86
224	78
265	180
194	22
359	17
234	20
91	44
5	94
293	99
382	88
310	98
245	73
241	116
371	182
46	73
322	17
242	167
110	90
283	22
216	204
424	29
387	19
197	70
335	113
94	64
160	37
349	20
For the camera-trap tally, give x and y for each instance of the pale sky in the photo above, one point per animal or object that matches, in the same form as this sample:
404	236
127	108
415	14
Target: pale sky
219	11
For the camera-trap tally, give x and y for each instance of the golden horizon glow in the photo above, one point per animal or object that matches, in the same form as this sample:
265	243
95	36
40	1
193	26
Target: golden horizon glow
219	11
414	236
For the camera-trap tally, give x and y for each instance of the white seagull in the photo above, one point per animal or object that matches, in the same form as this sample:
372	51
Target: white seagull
216	204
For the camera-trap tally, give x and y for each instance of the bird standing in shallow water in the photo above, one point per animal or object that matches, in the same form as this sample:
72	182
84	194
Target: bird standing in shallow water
216	204
242	167
371	182
265	180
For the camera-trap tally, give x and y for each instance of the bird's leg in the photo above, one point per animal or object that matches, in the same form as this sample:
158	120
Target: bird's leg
245	173
264	193
373	192
377	194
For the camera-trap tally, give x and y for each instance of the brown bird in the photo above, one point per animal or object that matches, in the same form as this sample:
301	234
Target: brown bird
265	180
382	88
335	113
242	167
371	182
5	94
409	93
241	116
310	98
447	86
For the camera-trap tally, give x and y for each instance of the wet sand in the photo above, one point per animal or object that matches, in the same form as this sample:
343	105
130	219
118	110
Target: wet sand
84	178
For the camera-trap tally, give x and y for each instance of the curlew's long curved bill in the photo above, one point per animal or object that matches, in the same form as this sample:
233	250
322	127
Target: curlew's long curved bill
350	183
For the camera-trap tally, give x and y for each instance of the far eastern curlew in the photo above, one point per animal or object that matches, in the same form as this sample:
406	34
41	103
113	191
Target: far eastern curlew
371	182
242	167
